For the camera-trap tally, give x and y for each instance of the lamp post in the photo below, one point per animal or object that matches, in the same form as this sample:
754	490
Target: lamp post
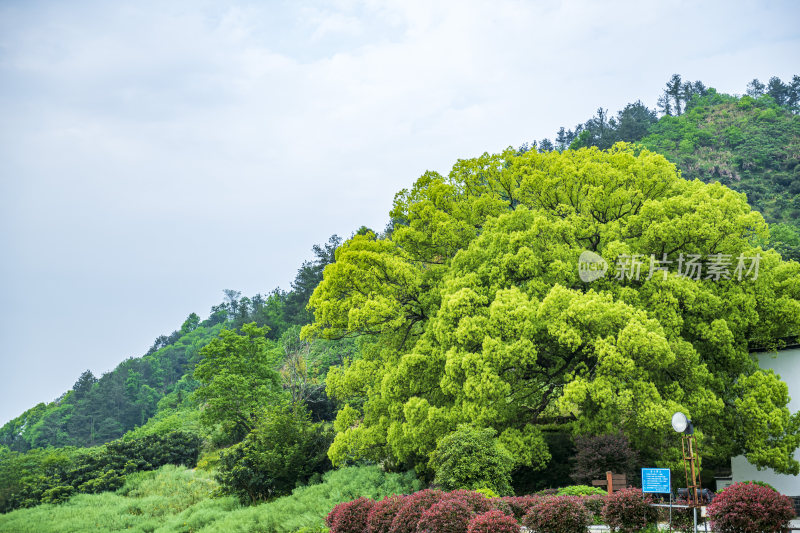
682	424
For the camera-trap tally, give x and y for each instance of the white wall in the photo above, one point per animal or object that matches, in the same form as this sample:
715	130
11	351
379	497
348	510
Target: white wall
786	364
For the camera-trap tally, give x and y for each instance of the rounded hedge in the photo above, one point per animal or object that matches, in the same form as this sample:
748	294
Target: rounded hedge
595	503
414	505
350	517
477	502
493	522
750	508
382	514
558	514
627	511
448	516
581	490
520	505
472	458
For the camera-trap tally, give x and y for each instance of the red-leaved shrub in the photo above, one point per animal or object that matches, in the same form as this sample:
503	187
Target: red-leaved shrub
382	513
520	505
350	517
750	508
493	522
558	514
477	501
627	511
448	516
405	521
499	504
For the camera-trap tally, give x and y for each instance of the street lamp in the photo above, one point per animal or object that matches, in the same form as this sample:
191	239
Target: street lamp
682	424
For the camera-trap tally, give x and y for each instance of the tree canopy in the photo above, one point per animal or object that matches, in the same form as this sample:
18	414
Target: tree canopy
472	312
237	380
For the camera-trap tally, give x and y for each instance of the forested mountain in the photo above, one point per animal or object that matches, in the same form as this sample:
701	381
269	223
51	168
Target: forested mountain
98	410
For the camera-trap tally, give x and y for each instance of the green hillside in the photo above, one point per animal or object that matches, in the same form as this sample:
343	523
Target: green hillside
749	143
96	411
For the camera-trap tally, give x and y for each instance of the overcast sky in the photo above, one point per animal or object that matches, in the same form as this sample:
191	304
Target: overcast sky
153	154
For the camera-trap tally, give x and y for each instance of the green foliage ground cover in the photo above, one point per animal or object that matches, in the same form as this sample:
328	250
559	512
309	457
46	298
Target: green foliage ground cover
176	499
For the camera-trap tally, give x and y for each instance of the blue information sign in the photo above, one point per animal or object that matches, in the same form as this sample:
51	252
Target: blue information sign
656	480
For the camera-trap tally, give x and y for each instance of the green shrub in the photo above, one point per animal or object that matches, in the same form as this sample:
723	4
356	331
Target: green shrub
759	483
769	115
25	477
107	481
104	468
58	494
489	493
471	458
280	453
209	461
580	490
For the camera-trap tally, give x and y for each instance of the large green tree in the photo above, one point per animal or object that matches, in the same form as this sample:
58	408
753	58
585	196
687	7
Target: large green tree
238	380
475	313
